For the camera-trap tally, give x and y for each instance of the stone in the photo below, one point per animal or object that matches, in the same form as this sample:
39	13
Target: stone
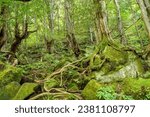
132	70
112	54
26	90
137	88
10	74
90	90
9	91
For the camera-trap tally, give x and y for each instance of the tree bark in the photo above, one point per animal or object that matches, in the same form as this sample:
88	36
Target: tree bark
120	25
20	37
145	14
102	29
70	28
3	28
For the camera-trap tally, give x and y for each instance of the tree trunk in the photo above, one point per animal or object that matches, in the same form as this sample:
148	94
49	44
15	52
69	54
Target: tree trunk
102	29
70	28
3	28
49	40
20	37
120	25
145	13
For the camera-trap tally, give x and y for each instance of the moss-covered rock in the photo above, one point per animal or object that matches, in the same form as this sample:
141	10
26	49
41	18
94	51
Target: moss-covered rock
50	84
26	90
129	88
137	88
9	91
132	70
115	55
90	91
10	74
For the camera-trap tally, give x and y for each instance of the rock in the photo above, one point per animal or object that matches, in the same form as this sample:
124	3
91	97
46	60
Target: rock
120	57
9	91
90	90
26	90
132	70
10	74
137	88
129	88
50	84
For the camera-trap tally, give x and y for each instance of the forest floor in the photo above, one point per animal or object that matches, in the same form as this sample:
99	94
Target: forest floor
113	73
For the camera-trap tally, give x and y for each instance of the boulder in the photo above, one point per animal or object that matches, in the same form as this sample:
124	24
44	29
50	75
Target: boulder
131	70
90	90
114	55
26	90
137	88
9	91
129	88
10	74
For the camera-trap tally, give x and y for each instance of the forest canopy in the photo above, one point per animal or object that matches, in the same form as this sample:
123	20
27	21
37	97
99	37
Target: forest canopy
74	49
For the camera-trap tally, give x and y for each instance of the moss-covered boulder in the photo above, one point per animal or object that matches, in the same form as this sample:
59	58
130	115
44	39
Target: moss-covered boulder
26	90
90	91
137	88
115	55
9	91
132	70
129	88
10	74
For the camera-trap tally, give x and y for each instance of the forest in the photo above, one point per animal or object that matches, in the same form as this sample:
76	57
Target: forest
74	49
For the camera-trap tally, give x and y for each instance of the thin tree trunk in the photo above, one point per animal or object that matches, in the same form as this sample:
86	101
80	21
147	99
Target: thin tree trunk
49	41
102	29
3	28
136	27
120	25
70	28
145	15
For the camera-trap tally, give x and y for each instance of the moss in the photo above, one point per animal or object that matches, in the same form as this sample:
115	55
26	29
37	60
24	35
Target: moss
131	70
9	91
112	54
10	74
138	88
139	67
90	91
26	90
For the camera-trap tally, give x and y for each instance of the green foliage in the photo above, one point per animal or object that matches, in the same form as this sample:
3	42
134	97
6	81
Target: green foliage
106	93
109	93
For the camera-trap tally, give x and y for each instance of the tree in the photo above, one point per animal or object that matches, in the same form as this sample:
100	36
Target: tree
120	25
20	35
3	28
70	28
145	9
102	30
